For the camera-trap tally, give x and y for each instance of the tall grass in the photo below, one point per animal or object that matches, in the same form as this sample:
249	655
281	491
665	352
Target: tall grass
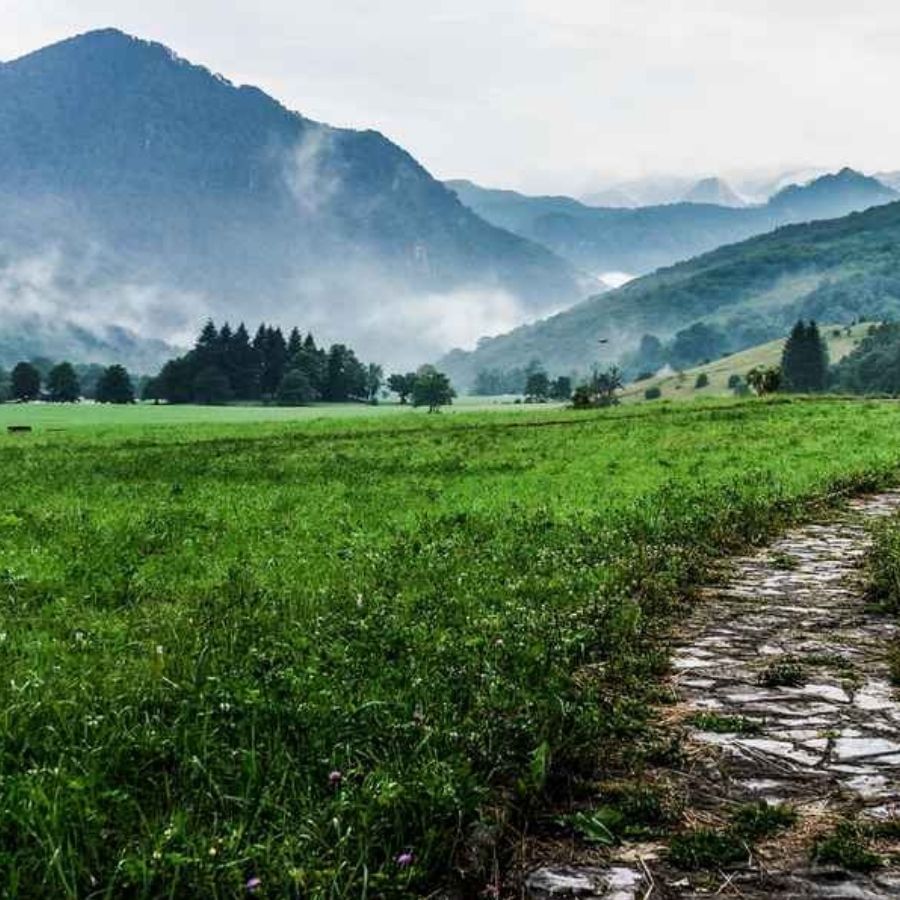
337	659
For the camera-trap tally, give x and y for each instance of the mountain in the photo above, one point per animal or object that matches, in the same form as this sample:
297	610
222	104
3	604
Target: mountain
142	191
737	296
713	190
890	179
641	240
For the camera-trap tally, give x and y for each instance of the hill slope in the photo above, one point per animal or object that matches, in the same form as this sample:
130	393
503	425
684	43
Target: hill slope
841	340
142	189
641	240
833	271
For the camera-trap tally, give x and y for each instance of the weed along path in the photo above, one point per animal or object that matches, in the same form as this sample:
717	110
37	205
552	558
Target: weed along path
787	783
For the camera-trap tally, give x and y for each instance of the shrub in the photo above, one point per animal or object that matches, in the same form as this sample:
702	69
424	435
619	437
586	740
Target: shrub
653	393
702	381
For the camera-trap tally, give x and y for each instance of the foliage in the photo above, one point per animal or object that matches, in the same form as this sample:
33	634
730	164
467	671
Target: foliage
402	386
296	389
601	391
707	848
25	382
719	724
761	819
702	381
764	380
804	362
786	671
226	365
653	393
537	387
62	384
847	846
115	386
297	652
432	389
873	367
5	386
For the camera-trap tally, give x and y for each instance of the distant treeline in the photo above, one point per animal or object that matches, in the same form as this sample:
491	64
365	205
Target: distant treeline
227	365
64	382
532	381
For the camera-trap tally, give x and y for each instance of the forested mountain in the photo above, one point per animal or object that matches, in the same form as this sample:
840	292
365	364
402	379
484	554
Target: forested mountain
140	190
641	240
832	271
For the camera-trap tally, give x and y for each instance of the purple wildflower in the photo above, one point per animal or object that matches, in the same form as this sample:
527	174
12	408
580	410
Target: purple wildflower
404	859
254	884
335	777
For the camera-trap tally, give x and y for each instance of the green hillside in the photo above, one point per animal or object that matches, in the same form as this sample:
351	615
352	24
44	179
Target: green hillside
840	270
682	386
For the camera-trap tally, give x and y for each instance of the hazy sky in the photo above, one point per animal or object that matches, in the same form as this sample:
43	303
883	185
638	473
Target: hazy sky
546	94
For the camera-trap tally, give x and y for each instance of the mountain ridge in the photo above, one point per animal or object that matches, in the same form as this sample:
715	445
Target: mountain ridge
126	165
833	270
643	239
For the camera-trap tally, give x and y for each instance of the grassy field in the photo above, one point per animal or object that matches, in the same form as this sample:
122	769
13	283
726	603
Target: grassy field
343	656
60	416
841	340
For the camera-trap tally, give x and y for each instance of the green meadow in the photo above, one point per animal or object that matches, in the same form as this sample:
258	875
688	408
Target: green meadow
347	657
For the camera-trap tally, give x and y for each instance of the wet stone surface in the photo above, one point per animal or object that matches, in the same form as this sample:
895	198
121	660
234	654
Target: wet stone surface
786	643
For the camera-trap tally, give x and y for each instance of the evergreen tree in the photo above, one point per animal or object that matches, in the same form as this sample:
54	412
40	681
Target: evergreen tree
62	384
211	387
294	346
5	386
26	382
115	386
245	366
804	360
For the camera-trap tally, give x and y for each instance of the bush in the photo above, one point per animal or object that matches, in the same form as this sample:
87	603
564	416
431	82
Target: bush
702	381
734	381
653	393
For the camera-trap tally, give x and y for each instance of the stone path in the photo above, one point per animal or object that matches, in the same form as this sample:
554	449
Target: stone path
786	654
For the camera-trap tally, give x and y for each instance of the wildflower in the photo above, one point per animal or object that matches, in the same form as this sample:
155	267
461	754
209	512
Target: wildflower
404	859
335	777
254	884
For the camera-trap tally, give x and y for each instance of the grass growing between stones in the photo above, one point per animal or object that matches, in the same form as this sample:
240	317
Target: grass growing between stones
787	671
847	846
720	724
342	657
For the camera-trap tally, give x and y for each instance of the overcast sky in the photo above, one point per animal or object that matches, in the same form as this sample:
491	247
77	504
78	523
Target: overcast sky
546	94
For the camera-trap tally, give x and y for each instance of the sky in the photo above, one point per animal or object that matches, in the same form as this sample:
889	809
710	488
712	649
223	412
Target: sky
547	95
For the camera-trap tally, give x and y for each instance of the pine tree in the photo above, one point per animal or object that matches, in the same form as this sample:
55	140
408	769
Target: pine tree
115	386
62	384
804	361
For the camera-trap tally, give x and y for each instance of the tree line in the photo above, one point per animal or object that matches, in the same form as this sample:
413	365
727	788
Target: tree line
66	383
228	365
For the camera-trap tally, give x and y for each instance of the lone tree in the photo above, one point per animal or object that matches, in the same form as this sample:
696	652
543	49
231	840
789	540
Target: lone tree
537	387
432	389
295	389
804	362
764	380
402	385
602	390
63	385
374	380
115	386
26	382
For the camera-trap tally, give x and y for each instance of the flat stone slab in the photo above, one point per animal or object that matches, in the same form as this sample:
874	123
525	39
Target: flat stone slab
588	883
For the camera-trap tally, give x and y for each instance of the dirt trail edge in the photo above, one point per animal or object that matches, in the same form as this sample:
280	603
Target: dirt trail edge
783	686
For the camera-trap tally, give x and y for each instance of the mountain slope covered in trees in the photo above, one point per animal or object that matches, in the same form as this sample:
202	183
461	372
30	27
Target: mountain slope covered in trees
735	297
641	240
143	191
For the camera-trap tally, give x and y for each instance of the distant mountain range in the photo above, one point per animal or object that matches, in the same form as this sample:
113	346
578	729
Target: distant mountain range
744	294
642	240
144	192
